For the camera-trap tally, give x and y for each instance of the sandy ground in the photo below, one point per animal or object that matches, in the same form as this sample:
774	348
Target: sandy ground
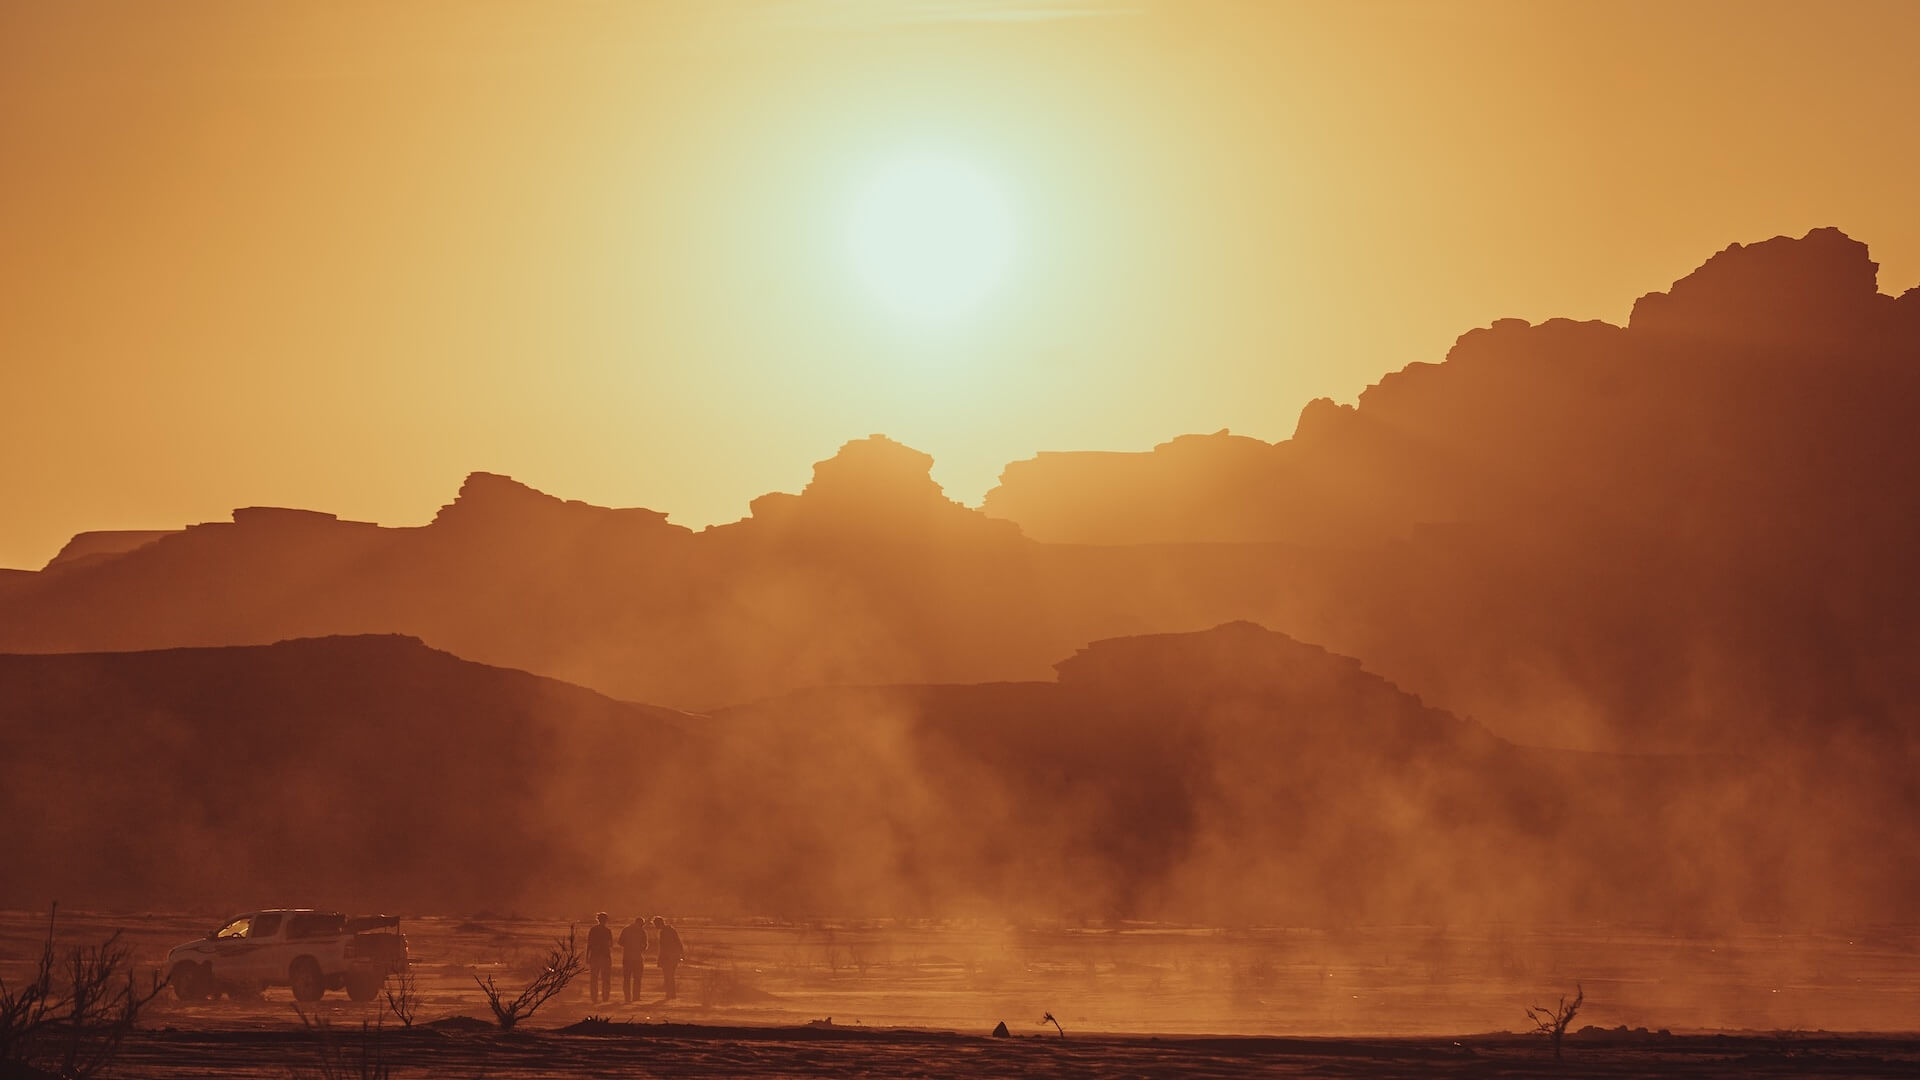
653	1050
919	999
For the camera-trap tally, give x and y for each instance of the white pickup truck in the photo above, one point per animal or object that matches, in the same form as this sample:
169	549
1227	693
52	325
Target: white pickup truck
310	951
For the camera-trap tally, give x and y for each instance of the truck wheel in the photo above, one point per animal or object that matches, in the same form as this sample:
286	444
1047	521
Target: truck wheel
305	978
188	981
364	985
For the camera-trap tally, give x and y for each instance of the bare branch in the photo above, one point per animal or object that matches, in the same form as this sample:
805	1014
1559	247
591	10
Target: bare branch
26	1009
563	964
1553	1022
403	997
81	1007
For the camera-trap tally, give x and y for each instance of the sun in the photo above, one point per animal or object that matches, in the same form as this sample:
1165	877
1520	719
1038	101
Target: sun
930	237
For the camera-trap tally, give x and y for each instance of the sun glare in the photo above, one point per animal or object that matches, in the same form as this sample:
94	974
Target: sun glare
930	237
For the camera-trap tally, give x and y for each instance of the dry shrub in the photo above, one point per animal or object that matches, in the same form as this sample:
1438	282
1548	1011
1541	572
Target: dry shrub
563	964
403	996
70	1018
1552	1022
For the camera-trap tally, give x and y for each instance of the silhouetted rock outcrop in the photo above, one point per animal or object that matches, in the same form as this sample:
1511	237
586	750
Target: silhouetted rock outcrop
1143	498
1231	774
88	547
1689	531
1780	293
489	501
1716	375
1236	774
878	489
870	574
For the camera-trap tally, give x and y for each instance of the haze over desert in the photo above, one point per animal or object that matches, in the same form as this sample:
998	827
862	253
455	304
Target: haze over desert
1148	647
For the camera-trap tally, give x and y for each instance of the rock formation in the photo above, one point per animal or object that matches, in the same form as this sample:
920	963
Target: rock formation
1690	532
1229	775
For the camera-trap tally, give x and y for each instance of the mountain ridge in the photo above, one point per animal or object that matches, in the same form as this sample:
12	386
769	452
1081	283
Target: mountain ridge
1648	536
475	786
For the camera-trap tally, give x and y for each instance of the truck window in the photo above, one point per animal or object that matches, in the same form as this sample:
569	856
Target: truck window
264	926
315	924
235	929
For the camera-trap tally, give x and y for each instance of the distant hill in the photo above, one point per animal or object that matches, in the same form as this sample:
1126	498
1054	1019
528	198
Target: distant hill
1691	532
355	770
1237	775
1228	775
869	575
103	546
1772	373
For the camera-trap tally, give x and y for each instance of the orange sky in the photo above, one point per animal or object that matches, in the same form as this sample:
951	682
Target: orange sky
337	255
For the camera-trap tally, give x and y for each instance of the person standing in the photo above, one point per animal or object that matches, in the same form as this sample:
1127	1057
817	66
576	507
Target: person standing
633	956
670	951
600	960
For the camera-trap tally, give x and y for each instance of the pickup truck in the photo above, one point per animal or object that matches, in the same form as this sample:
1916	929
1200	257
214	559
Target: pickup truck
310	951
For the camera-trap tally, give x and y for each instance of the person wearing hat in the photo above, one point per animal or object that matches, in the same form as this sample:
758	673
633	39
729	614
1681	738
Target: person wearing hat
600	960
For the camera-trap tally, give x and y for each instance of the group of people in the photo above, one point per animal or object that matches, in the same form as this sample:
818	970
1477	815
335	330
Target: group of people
633	956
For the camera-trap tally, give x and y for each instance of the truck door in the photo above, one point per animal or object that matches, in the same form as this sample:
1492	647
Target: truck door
265	960
233	959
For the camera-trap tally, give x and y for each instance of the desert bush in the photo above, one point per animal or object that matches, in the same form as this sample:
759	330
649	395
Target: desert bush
563	964
1552	1022
70	1018
403	996
25	1009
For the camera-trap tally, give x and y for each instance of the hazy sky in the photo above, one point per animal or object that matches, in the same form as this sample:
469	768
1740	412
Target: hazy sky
337	255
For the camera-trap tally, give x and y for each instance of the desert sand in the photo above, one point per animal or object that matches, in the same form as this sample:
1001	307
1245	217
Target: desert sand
909	999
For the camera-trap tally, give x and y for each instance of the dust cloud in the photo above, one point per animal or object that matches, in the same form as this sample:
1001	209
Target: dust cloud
1588	626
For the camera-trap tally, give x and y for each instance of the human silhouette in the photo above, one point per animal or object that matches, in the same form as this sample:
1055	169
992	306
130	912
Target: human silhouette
600	960
633	956
670	951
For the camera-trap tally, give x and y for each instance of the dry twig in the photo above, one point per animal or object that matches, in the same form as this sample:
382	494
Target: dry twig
403	997
563	964
79	1012
1552	1022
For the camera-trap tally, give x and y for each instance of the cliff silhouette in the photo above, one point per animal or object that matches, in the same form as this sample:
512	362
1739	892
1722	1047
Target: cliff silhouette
1687	533
1233	774
815	587
1710	380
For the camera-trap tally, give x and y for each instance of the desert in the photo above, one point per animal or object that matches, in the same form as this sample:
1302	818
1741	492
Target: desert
910	1000
959	537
